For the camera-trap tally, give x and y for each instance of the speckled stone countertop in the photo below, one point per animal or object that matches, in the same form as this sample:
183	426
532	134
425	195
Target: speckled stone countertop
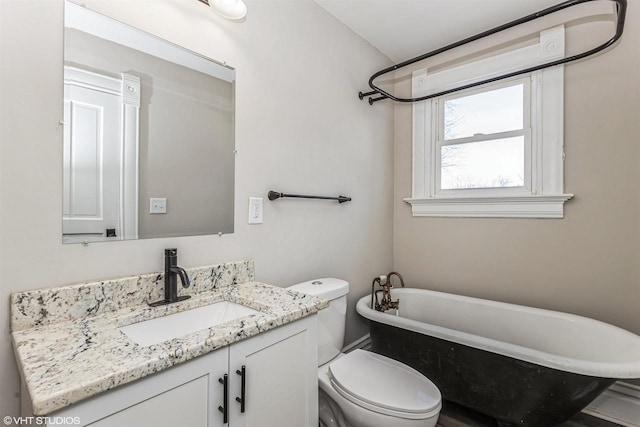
69	346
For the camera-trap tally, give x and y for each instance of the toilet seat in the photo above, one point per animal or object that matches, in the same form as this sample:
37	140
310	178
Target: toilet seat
384	385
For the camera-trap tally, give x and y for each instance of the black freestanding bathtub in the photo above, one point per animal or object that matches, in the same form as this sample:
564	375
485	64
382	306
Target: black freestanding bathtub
524	366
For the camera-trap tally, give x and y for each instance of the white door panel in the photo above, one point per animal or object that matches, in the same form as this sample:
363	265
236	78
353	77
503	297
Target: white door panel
92	153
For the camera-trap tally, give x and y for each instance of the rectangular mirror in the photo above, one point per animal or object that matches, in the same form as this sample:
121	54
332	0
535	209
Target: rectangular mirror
148	135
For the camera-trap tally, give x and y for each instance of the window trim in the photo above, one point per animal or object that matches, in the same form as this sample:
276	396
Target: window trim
545	197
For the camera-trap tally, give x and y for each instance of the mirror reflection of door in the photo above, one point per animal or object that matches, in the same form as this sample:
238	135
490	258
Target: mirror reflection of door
95	151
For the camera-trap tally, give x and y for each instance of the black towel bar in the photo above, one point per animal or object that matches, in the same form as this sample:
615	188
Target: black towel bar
273	195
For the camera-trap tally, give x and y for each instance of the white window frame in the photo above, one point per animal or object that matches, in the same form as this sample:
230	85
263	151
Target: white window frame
542	195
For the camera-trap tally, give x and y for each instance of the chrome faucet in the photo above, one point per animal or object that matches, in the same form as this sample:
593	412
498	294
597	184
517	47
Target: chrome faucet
171	273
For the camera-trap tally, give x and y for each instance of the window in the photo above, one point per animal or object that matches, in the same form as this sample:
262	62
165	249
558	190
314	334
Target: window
482	138
494	150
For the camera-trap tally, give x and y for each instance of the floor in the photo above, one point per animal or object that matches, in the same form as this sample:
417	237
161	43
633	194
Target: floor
453	415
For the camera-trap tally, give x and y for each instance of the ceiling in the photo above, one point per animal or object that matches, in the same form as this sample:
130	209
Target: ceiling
403	29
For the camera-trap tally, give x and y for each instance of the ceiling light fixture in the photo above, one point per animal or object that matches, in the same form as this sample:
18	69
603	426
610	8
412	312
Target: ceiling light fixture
229	9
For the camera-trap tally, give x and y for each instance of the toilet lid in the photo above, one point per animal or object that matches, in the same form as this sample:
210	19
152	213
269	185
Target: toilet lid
384	383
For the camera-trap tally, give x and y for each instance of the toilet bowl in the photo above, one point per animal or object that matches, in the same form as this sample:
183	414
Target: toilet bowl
375	391
361	388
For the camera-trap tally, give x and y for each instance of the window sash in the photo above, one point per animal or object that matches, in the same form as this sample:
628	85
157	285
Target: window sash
438	103
485	191
480	137
436	157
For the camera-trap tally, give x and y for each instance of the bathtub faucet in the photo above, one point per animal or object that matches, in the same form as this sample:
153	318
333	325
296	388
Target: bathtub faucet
385	283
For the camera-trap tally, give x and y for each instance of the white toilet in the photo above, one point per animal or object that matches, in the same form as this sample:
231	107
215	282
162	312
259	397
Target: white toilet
361	388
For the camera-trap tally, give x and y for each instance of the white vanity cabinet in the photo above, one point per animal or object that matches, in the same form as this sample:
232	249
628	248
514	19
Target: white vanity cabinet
280	388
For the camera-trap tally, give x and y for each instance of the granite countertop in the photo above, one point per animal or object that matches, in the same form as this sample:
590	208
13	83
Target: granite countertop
66	358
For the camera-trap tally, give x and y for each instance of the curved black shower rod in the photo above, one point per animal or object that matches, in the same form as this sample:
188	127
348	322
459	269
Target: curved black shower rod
273	195
621	6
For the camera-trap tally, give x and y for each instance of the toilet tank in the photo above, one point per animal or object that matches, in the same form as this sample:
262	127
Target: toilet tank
331	320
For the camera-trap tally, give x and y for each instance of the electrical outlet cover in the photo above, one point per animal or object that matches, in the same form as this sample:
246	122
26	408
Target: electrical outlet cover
157	205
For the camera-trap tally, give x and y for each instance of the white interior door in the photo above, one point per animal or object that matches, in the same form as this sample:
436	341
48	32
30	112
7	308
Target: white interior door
92	171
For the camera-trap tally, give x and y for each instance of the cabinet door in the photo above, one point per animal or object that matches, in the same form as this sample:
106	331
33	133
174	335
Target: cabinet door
281	381
185	405
185	395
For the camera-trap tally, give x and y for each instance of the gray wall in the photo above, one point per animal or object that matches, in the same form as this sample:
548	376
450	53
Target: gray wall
186	156
586	263
300	128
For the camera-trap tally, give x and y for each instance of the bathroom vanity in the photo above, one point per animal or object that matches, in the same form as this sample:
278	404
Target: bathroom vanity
255	365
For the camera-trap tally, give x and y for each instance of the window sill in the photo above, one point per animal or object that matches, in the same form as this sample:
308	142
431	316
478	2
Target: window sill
491	207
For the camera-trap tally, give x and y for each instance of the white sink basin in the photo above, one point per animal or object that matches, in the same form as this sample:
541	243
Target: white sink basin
165	328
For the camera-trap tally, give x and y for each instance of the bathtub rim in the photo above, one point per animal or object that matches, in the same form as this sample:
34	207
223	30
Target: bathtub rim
617	370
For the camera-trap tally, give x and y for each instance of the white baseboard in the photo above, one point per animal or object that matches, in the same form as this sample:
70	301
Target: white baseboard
619	404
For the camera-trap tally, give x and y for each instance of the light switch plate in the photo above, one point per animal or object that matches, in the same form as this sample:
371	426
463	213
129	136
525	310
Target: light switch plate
157	205
255	210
